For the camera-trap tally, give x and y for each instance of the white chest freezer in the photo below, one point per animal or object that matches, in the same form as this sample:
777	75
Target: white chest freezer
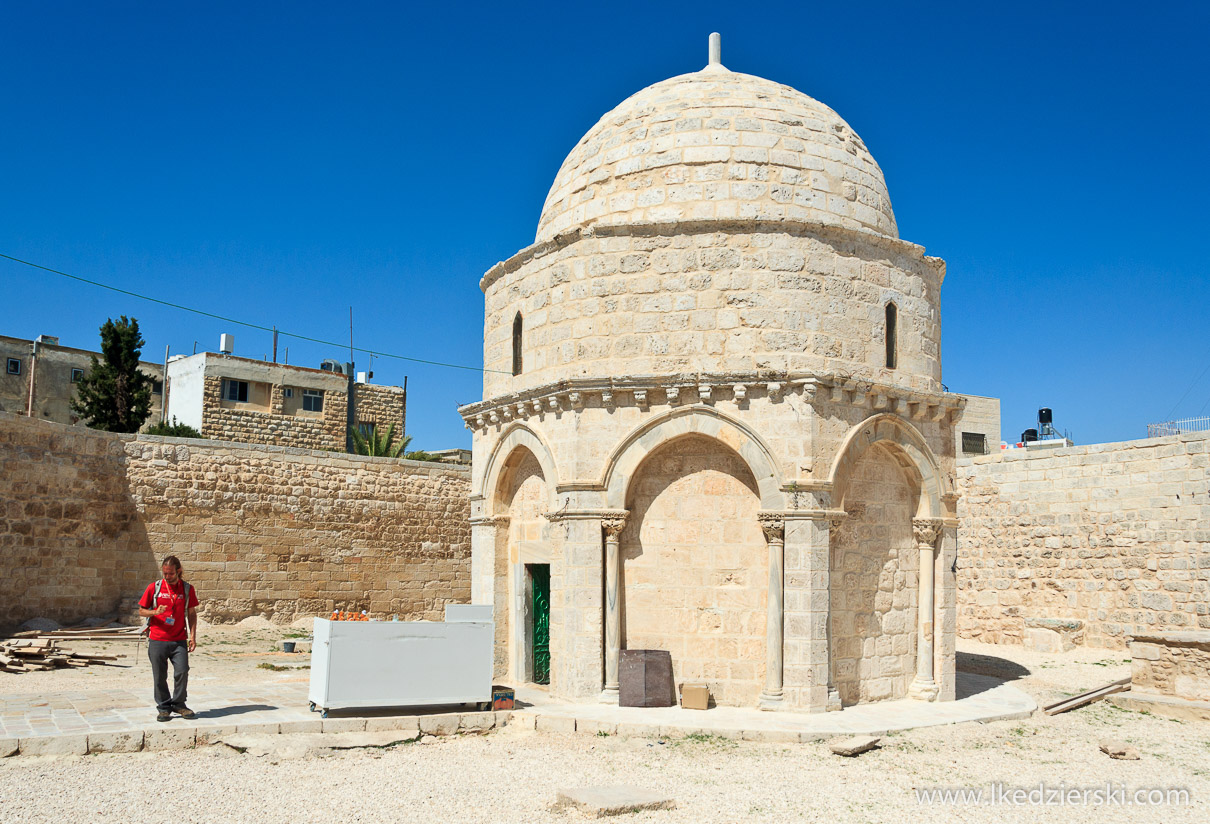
404	663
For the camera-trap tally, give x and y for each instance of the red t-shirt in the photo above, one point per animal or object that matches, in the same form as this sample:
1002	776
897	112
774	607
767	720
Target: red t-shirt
171	626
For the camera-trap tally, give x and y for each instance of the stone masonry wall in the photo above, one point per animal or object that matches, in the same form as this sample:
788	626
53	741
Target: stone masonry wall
380	405
272	427
283	533
1112	535
70	538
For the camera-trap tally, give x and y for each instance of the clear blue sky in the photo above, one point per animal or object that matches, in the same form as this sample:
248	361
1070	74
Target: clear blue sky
278	162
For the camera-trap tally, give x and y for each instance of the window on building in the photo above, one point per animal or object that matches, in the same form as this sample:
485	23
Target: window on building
77	375
313	400
157	387
14	366
288	391
366	430
892	321
974	443
236	391
517	344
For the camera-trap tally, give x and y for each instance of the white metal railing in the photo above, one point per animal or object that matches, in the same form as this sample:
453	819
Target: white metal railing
1159	430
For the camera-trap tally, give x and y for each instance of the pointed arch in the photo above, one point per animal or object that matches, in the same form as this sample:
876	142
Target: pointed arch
517	437
702	420
908	447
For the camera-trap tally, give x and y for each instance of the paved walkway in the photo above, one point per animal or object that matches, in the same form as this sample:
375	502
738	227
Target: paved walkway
30	723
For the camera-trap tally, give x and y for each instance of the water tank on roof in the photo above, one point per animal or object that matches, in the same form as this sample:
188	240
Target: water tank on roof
1029	435
226	344
330	365
1045	415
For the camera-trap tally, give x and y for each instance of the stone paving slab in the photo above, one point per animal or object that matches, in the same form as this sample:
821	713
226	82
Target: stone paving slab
989	699
120	720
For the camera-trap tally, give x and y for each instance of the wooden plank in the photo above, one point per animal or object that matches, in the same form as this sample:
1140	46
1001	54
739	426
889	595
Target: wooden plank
1085	698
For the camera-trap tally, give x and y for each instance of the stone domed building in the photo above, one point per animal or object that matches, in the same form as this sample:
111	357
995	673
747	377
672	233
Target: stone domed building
713	420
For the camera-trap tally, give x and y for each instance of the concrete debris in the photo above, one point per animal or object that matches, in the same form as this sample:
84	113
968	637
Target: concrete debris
1119	750
850	747
603	801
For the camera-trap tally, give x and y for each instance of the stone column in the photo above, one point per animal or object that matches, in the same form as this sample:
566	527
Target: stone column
612	526
774	529
923	687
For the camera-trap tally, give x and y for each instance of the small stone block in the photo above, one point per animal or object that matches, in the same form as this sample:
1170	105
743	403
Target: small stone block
599	802
181	738
595	727
343	725
638	730
124	741
478	720
523	720
555	723
55	745
405	723
212	735
444	724
773	736
259	729
294	727
1119	750
9	746
850	747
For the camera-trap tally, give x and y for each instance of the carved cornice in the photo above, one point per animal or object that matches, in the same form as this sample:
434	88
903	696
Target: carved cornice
824	231
490	520
707	387
585	514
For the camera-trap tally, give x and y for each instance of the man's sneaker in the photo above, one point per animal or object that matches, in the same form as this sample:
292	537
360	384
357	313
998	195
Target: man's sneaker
185	712
163	715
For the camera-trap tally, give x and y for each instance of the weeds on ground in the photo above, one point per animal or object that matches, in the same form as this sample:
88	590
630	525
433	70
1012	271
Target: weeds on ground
705	738
276	668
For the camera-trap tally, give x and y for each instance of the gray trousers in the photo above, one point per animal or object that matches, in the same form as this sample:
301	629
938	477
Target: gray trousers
160	653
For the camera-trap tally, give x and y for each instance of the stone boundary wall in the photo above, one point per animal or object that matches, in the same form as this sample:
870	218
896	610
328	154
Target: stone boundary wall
261	530
1111	538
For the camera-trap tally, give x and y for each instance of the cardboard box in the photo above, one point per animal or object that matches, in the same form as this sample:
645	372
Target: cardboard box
695	696
502	698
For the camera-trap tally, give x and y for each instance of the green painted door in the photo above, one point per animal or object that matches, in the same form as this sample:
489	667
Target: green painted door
540	576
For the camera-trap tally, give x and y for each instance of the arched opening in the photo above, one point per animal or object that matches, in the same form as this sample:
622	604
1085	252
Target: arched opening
522	549
517	329
695	566
892	323
874	578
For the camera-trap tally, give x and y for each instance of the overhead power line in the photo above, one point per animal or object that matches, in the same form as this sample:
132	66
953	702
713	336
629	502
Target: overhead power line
375	352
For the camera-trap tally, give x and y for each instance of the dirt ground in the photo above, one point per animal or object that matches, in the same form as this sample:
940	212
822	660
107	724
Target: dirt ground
229	653
512	775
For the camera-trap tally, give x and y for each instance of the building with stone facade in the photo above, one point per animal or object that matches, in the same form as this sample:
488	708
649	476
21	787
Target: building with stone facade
713	419
40	376
228	398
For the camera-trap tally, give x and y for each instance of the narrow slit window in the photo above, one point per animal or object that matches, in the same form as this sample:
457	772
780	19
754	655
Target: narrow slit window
892	323
517	344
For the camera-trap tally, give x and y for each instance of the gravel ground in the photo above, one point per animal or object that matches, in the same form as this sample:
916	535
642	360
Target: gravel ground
512	775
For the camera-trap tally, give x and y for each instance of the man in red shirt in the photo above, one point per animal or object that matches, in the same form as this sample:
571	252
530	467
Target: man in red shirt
169	604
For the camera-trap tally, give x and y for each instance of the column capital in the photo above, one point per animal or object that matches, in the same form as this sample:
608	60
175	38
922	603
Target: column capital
773	524
925	531
614	523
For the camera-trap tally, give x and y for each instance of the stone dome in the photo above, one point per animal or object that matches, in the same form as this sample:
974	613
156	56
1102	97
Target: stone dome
719	144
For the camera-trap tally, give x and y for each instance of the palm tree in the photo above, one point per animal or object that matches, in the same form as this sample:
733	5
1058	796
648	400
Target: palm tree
378	445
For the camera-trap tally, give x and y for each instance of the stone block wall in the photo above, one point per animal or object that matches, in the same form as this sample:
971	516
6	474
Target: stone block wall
271	531
1176	664
1116	536
272	427
381	406
70	538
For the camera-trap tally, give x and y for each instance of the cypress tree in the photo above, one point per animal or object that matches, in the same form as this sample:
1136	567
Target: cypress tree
114	395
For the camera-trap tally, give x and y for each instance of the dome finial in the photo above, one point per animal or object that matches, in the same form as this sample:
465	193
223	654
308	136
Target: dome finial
716	49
